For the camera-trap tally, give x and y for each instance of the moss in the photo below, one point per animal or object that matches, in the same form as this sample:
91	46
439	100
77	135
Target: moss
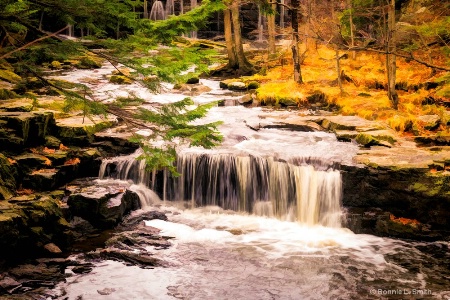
89	62
7	94
120	79
9	76
56	65
253	85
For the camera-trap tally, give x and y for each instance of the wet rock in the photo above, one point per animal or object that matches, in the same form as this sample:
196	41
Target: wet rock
103	205
83	269
39	272
106	291
193	80
8	177
9	284
142	259
133	220
78	130
246	99
22	129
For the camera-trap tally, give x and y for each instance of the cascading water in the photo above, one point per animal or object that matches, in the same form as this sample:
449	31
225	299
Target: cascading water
157	12
261	186
170	8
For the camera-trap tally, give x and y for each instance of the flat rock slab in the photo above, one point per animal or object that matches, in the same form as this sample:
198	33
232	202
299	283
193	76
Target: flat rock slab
403	157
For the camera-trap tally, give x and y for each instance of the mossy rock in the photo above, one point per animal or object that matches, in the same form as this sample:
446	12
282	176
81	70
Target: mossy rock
7	94
237	86
287	102
9	76
89	62
8	176
56	65
120	79
193	80
253	85
18	105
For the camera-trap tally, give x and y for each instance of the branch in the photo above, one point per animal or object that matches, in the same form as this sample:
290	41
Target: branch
280	4
34	42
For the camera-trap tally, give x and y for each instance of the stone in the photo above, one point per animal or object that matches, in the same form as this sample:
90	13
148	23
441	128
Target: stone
17	105
193	80
102	204
106	291
246	99
24	129
237	86
7	283
77	130
52	248
430	122
120	79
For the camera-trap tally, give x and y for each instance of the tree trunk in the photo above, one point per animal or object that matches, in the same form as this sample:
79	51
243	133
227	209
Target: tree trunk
295	40
338	70
271	29
391	65
232	60
145	9
245	67
352	33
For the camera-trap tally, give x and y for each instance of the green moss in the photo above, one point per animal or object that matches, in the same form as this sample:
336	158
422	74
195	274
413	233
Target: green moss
120	79
366	139
89	62
56	65
253	85
10	76
7	94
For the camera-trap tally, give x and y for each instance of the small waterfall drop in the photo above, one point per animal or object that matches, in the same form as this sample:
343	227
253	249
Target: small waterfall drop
256	185
157	12
170	8
194	4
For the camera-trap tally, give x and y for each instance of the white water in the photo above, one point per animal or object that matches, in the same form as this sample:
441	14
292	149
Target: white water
157	11
223	255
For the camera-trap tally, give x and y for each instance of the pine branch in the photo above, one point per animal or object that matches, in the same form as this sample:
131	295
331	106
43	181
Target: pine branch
34	42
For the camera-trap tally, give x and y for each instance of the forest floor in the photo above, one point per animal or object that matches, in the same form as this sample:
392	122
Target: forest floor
424	105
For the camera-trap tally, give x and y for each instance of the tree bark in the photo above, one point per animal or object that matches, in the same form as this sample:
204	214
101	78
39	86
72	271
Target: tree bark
352	33
244	65
232	60
391	65
295	40
271	29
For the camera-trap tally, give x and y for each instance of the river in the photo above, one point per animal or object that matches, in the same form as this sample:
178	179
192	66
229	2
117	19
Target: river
259	217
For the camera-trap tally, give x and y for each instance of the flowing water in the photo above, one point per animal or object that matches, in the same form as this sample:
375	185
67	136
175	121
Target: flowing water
260	218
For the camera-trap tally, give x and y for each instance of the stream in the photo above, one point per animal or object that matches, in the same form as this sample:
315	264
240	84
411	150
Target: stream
258	217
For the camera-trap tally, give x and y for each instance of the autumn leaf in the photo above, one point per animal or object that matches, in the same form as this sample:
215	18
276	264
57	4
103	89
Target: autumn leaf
62	147
72	161
48	150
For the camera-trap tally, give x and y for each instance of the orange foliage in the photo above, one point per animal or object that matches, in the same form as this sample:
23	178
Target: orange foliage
62	147
25	191
11	161
72	161
48	151
48	162
404	221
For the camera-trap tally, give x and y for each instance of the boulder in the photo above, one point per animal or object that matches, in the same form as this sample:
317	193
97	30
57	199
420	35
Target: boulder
246	99
102	203
430	122
193	80
24	129
237	86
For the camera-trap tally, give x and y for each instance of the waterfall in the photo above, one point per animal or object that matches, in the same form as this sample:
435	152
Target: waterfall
257	185
170	8
157	12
